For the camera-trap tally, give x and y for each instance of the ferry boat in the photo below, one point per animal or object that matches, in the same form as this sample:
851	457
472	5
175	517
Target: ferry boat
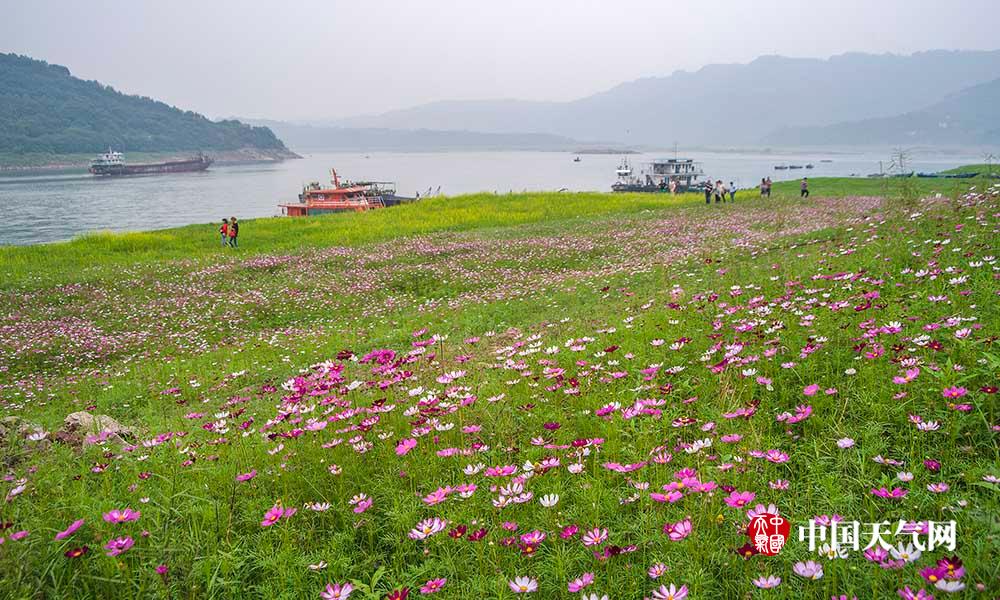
346	196
113	164
656	175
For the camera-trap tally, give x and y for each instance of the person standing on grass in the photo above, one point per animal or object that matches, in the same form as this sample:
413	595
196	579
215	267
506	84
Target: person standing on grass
224	232
234	230
718	191
804	188
732	192
708	192
763	187
768	187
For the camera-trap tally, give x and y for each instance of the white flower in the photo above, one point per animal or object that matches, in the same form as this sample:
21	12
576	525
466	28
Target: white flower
549	500
908	553
845	442
946	585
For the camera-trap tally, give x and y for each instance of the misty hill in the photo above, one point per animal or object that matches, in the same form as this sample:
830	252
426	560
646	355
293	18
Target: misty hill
315	137
43	108
969	117
722	104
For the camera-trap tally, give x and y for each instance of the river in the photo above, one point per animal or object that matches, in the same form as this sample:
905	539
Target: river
54	207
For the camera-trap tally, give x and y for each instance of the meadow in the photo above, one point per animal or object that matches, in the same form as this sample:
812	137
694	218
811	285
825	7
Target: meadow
549	395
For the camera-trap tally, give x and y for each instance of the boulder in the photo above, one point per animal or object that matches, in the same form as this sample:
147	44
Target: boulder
84	423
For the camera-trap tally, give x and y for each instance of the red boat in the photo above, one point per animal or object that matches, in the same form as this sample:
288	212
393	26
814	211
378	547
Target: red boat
357	196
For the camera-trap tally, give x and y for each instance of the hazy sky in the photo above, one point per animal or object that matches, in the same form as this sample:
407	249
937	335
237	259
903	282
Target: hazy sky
298	59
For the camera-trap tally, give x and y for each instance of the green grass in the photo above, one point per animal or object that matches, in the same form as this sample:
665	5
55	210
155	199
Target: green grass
168	333
982	169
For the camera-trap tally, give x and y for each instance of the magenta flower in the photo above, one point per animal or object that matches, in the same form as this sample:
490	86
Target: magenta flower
246	476
405	446
433	585
895	494
117	546
954	392
739	499
679	530
70	530
122	516
810	390
275	514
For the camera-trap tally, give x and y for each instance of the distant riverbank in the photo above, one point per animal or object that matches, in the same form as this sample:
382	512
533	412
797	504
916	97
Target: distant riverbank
43	162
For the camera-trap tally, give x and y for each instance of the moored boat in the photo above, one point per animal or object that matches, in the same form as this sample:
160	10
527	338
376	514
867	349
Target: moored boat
657	175
358	196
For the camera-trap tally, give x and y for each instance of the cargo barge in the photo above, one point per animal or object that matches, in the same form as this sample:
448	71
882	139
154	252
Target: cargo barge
111	164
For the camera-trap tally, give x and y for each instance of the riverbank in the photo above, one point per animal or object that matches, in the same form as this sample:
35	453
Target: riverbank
49	163
506	378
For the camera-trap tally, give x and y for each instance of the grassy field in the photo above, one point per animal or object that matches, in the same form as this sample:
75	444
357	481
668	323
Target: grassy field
568	393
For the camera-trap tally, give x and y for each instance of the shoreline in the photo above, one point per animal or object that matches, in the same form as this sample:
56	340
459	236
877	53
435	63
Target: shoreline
80	162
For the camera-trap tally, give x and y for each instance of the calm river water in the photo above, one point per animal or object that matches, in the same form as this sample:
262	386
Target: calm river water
53	207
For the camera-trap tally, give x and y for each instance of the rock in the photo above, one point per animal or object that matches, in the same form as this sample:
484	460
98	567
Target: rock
84	423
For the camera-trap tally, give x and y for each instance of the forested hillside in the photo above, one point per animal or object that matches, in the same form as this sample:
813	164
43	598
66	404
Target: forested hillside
43	108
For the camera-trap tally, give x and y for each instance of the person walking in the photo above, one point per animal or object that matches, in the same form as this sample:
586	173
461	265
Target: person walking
763	187
804	188
768	187
718	191
732	192
224	232
234	230
708	192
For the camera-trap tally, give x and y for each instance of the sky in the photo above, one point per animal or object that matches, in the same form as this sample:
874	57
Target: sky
328	59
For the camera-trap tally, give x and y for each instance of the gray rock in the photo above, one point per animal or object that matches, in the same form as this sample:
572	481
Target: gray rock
85	423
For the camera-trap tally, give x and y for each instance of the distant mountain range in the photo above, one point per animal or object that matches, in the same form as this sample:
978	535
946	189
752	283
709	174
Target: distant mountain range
969	117
44	109
722	105
306	137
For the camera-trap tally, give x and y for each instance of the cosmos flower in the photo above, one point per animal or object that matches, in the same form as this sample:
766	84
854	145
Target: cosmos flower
117	546
70	530
523	585
808	569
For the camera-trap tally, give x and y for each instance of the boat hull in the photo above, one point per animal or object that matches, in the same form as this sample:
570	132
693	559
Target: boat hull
179	166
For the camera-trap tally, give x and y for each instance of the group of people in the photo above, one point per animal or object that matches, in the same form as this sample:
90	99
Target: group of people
720	191
765	187
230	232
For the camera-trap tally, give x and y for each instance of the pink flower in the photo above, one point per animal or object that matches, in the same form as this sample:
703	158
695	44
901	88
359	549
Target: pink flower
595	537
808	569
121	516
523	585
433	585
70	530
580	582
679	530
337	591
275	514
427	528
739	499
810	390
405	446
247	476
656	571
954	392
117	546
895	494
766	583
671	593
